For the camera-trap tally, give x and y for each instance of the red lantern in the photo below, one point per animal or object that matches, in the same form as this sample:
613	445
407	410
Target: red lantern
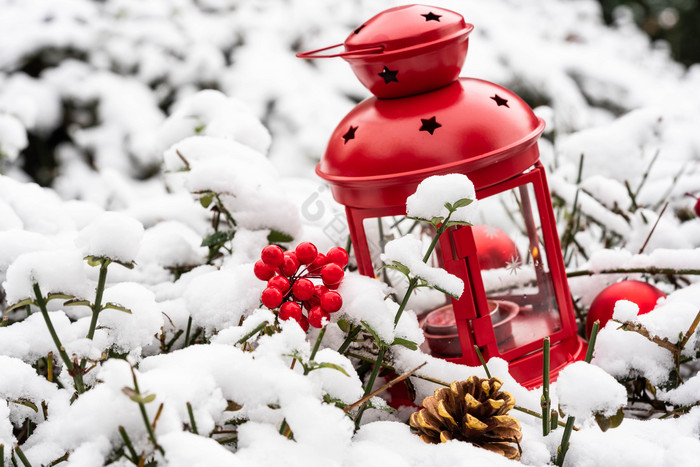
644	295
435	124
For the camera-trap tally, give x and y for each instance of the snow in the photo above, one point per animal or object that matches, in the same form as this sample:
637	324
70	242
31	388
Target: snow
112	91
408	251
584	390
429	200
111	235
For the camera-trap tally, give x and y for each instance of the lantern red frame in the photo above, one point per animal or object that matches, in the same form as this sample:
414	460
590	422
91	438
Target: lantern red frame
473	321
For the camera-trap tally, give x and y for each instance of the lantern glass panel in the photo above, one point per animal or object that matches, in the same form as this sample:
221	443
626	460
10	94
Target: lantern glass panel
515	271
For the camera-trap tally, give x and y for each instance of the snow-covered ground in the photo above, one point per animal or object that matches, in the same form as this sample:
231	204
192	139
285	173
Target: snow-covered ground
148	167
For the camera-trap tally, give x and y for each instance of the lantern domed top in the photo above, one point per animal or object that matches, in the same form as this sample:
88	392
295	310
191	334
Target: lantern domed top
405	50
384	147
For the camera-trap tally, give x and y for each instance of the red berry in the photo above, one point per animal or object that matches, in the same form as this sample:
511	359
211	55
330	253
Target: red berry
272	256
303	322
316	264
280	283
290	264
308	305
319	290
317	317
331	274
306	252
331	302
338	256
697	207
271	297
290	310
303	289
263	271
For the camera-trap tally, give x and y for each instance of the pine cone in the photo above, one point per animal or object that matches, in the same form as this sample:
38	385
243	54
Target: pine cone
473	411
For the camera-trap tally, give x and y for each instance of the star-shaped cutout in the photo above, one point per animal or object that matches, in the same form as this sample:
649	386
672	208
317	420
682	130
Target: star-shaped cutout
432	17
350	134
357	31
389	75
429	125
500	101
513	266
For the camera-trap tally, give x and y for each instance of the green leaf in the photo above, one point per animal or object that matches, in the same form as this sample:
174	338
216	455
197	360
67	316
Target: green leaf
26	403
200	128
76	302
449	207
405	343
344	325
58	296
276	236
148	398
436	220
605	423
462	202
375	336
130	392
438	288
206	199
316	366
20	304
116	306
217	238
395	265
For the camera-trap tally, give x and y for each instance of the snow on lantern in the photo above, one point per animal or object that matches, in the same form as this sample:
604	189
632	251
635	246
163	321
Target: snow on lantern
422	121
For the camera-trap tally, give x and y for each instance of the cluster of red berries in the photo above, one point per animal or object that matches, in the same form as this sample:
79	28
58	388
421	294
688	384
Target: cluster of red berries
290	287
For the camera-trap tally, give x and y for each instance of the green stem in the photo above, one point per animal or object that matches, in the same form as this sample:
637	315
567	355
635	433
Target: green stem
565	441
257	329
545	402
22	457
2	455
129	446
187	332
348	340
193	423
370	382
530	412
97	306
144	414
411	285
481	359
321	333
77	376
591	341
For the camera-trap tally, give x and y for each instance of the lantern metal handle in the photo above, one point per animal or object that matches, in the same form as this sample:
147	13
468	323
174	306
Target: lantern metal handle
314	53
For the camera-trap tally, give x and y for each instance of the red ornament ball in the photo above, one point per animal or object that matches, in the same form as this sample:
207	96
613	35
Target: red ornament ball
494	248
332	274
317	317
643	294
303	289
290	310
272	256
306	252
272	297
331	301
262	271
338	256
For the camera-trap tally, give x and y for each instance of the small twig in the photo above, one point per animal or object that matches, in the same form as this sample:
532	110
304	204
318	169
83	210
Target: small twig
144	414
535	414
641	250
648	270
391	383
182	158
690	331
